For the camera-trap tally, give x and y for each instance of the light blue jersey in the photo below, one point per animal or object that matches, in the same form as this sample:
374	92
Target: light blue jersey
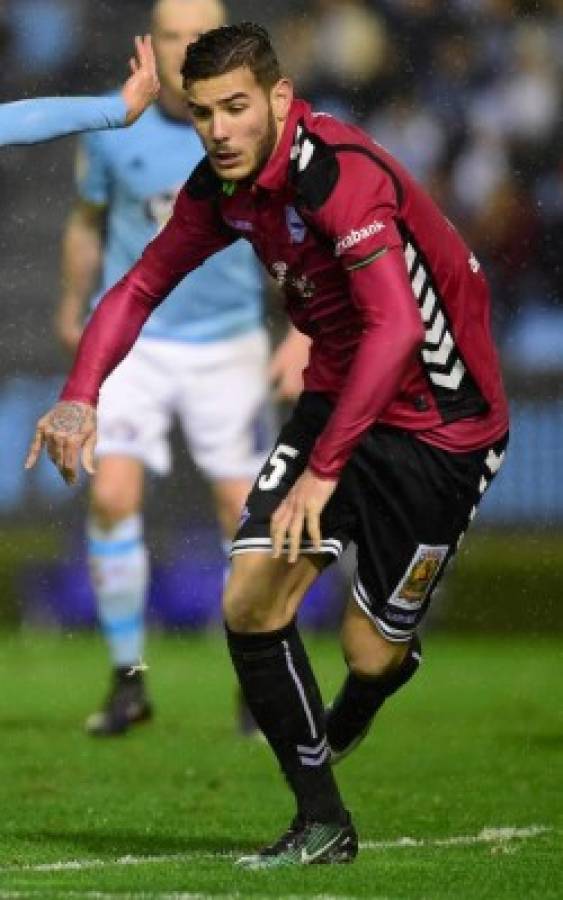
137	174
45	118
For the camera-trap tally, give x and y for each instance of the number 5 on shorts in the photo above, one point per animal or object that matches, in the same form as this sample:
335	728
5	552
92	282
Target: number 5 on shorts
279	467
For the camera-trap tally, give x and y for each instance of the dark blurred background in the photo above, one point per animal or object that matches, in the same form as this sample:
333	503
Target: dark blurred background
467	93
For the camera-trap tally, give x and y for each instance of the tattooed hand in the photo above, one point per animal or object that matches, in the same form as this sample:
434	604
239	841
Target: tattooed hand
68	431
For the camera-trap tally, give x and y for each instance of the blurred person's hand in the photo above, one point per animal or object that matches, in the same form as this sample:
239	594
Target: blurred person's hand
68	433
287	365
142	87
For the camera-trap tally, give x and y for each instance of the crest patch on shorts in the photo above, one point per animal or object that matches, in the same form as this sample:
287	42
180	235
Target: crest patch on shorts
419	577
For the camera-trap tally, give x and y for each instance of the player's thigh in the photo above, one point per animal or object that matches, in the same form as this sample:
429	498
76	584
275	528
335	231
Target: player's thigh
134	410
264	594
224	407
117	489
285	463
413	503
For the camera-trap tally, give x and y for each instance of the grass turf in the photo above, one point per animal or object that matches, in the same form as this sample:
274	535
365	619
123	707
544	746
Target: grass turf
475	741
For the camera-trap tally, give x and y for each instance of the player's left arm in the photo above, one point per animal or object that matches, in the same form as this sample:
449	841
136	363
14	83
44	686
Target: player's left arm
391	338
68	431
369	246
45	118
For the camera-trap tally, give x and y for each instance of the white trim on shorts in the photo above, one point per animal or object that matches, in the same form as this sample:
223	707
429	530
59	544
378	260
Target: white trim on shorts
394	635
264	545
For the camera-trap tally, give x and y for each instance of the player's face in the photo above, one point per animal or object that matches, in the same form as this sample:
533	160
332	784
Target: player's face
177	23
239	122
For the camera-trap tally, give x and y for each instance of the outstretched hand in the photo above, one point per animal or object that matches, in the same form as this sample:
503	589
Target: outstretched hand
142	87
68	432
302	507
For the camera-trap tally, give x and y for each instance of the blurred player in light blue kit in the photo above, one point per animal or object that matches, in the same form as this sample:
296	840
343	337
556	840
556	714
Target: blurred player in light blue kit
203	356
45	118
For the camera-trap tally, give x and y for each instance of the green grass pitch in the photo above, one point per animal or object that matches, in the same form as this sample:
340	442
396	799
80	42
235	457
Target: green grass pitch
457	793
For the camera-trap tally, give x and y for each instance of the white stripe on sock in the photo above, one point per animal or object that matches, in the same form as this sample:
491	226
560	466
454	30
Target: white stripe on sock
300	690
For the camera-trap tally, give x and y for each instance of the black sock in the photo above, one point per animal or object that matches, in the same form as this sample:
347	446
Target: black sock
360	699
283	696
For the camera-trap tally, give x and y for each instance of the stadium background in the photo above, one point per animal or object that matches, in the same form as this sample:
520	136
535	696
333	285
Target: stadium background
468	94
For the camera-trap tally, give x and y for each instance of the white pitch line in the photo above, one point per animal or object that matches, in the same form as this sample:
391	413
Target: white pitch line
487	835
106	895
80	864
103	895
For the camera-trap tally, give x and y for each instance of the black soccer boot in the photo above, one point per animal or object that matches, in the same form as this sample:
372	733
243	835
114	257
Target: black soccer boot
305	844
126	705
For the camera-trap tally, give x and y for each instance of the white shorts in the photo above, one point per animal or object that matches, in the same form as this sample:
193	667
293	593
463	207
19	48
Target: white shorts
218	391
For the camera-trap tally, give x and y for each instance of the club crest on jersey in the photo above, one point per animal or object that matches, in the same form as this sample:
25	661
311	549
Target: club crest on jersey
295	225
279	272
303	286
419	577
289	282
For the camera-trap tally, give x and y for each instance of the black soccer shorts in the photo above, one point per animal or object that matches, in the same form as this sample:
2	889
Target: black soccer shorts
404	503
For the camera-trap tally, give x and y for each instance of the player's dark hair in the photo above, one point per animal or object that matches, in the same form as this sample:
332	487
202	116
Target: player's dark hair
232	47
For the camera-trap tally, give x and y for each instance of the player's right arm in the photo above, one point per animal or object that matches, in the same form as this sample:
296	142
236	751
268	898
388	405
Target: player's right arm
192	235
82	244
45	118
80	268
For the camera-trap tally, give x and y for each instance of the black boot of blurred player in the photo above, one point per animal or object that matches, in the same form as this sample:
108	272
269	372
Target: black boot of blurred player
126	705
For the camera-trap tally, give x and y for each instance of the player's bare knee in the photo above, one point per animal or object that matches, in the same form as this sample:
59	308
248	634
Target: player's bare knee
365	665
246	609
108	506
247	619
241	598
369	654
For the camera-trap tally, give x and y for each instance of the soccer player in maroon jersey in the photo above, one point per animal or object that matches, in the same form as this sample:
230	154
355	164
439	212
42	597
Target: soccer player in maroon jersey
400	429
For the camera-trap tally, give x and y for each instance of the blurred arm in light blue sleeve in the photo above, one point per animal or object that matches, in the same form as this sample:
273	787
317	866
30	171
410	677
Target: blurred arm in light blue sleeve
45	118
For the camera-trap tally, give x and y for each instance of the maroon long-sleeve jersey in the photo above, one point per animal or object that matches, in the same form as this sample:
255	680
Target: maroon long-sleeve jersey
395	303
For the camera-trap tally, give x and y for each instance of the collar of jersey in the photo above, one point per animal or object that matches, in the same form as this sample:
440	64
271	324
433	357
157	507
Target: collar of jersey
274	174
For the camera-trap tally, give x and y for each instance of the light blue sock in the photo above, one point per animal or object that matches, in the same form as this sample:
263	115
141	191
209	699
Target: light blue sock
118	563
